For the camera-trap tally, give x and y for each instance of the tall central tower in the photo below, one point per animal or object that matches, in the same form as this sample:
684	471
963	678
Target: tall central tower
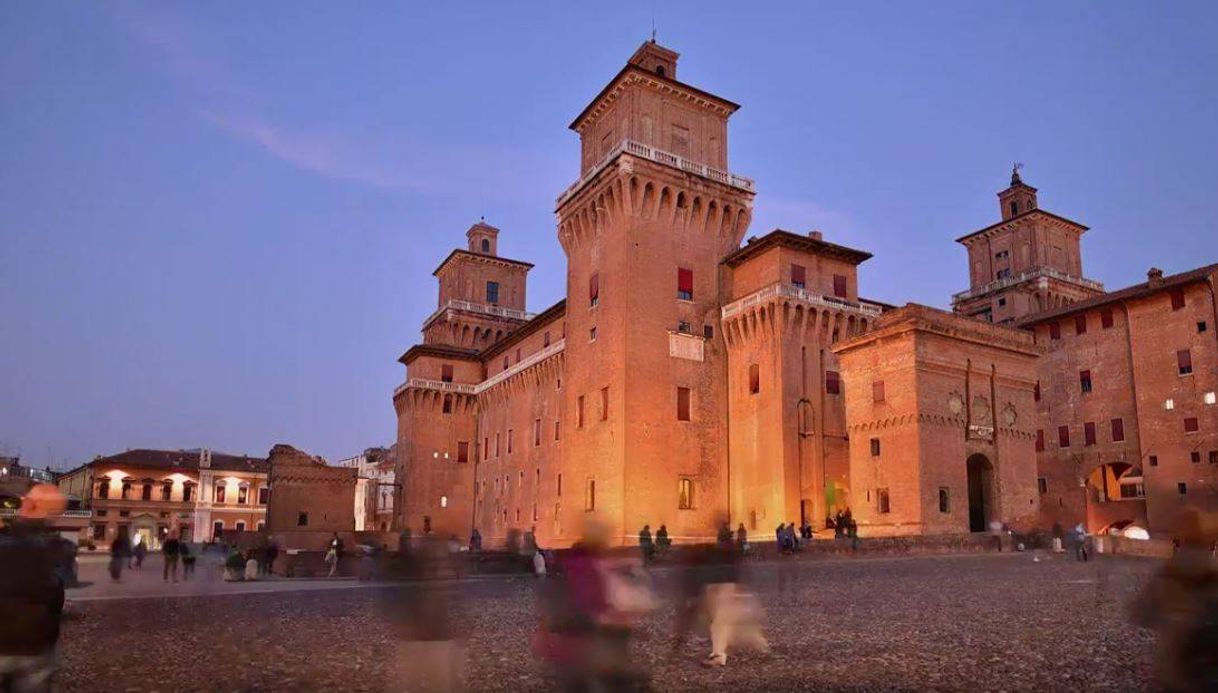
645	228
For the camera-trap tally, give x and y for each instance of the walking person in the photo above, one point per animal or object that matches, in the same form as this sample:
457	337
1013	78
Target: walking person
645	543
1080	543
332	560
996	535
140	550
662	540
735	614
188	560
170	551
475	540
336	547
742	537
120	553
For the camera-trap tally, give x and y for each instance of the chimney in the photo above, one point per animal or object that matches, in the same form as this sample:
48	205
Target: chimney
816	235
1154	276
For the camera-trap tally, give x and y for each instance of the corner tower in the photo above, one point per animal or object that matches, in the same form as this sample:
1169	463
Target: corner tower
1027	263
644	228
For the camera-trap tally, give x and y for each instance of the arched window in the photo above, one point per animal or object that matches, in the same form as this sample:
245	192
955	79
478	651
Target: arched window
660	71
103	487
486	245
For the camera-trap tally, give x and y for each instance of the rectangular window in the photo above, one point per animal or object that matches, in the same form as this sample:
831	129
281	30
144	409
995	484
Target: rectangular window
1182	488
446	373
839	285
555	430
754	379
1040	440
1201	326
1042	485
492	292
188	492
219	493
1036	391
146	492
243	495
264	495
708	331
1184	361
877	391
1106	318
799	276
1055	330
536	432
1089	433
590	496
833	383
686	495
1154	460
1063	436
579	412
1080	324
592	334
945	499
875	447
447	406
462	451
683	327
594	289
545	339
881	501
604	404
1213	456
559	493
486	448
1195	457
496	445
518	355
302	519
1084	381
1118	430
1003	273
1177	298
505	362
511	439
1190	424
682	404
685	284
99	532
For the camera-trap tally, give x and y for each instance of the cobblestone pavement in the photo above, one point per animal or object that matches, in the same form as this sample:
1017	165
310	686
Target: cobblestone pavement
948	623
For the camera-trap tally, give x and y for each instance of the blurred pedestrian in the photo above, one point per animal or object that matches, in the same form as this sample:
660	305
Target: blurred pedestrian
430	652
734	613
539	563
170	551
272	553
792	537
31	593
645	544
1181	605
996	535
475	540
742	538
725	534
120	554
1080	543
662	540
332	560
140	549
188	560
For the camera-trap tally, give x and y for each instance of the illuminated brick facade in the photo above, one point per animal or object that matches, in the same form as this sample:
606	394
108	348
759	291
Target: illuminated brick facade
687	379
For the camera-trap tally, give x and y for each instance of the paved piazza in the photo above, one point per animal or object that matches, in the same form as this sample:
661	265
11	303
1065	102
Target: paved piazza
984	622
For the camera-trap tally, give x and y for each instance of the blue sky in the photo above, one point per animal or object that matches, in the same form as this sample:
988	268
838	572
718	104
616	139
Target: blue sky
218	221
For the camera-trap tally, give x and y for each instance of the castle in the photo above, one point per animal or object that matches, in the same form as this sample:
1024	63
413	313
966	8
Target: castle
687	379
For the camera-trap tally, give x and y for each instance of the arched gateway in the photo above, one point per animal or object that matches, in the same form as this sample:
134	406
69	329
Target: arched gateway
980	492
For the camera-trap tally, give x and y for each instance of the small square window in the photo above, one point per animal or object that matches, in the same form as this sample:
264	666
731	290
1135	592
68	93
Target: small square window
684	328
1182	488
1169	404
1195	457
1191	424
1201	326
1002	302
1154	460
1210	397
302	519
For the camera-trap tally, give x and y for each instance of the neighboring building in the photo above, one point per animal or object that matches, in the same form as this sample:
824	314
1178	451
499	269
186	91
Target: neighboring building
16	479
375	489
1128	410
312	500
200	494
685	379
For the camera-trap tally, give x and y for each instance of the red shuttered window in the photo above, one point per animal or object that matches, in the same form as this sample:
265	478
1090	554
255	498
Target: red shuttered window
839	285
685	284
1089	433
446	373
1080	324
833	383
1118	430
1184	361
1063	436
877	391
799	276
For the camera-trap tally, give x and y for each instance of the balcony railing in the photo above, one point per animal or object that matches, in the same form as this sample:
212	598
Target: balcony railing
479	388
869	310
483	308
660	157
78	514
1034	273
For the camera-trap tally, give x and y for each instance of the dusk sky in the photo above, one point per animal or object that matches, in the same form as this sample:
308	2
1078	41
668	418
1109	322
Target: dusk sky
218	221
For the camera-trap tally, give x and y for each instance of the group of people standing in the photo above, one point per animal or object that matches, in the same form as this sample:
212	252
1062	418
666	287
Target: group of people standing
651	548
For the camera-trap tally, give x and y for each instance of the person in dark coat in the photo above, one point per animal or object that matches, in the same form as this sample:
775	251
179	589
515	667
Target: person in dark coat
31	601
645	544
120	553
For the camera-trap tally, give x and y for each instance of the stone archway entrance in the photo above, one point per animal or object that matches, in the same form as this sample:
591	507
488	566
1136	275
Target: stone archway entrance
980	492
